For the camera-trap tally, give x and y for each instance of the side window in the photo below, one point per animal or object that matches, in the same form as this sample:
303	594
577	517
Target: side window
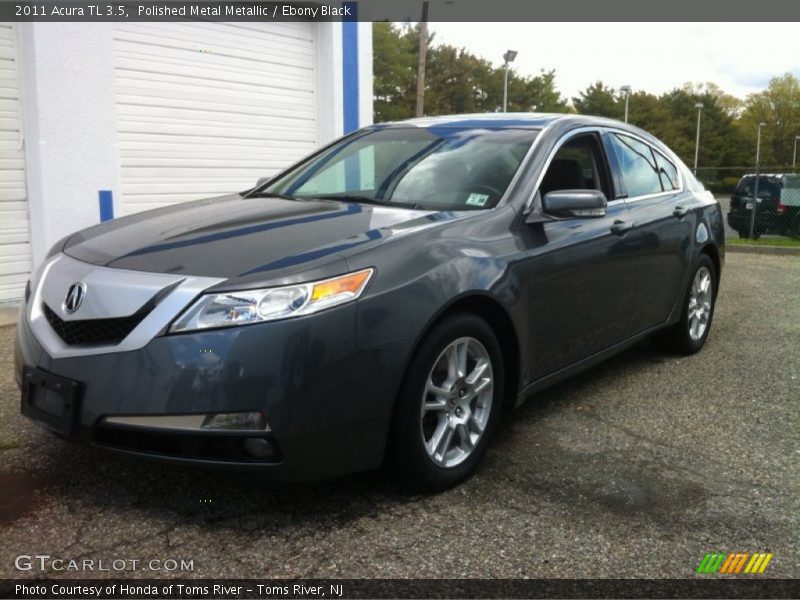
577	165
745	186
639	169
667	171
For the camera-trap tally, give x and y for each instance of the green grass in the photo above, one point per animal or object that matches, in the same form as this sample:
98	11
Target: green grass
8	445
771	241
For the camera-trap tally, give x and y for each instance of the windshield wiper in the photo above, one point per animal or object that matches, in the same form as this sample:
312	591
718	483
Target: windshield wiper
368	200
272	195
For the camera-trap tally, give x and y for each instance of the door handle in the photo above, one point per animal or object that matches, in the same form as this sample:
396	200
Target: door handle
680	212
622	227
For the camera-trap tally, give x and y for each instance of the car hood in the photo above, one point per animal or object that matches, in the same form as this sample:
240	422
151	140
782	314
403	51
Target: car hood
233	236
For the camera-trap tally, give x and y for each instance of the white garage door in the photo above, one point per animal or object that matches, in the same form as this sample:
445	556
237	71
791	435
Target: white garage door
208	108
15	251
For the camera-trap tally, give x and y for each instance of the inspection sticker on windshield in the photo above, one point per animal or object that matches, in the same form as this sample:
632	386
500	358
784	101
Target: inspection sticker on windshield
477	199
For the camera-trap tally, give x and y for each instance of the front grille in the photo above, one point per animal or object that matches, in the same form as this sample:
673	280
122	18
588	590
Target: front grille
95	331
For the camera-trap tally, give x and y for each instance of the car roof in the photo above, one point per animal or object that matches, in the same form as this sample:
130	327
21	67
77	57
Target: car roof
515	120
523	120
527	120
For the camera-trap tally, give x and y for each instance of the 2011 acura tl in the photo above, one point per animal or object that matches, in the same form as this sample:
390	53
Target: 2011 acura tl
384	299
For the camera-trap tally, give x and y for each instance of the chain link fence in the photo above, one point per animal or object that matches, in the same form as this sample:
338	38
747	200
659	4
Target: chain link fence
767	205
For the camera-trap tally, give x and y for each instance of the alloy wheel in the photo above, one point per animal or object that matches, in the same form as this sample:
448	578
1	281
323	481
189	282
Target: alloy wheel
457	402
700	298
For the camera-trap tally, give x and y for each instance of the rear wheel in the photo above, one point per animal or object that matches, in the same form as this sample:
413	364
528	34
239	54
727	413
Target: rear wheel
745	234
690	333
449	404
794	228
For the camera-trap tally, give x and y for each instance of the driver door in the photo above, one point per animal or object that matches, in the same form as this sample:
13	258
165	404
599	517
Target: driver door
580	271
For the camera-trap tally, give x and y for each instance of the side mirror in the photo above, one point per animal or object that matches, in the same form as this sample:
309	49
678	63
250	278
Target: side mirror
261	181
574	203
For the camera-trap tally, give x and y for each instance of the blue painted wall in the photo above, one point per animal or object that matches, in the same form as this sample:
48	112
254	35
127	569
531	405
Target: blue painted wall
350	90
106	201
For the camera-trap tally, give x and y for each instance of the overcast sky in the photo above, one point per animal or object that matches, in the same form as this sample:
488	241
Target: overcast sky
655	57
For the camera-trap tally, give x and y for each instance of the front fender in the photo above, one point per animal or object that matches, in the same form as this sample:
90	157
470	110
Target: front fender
408	302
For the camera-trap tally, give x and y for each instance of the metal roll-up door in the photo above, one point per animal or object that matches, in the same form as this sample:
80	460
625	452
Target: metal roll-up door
207	108
15	248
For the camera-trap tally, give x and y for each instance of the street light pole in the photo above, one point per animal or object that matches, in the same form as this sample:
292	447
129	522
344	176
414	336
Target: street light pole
508	58
794	156
699	107
627	90
755	186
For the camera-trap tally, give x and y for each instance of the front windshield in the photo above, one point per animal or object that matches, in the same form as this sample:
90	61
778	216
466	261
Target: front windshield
437	168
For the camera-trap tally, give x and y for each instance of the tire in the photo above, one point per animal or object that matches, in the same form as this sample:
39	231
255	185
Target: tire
794	229
745	234
463	416
689	335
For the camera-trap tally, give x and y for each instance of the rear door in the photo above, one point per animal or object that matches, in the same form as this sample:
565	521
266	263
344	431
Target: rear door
661	210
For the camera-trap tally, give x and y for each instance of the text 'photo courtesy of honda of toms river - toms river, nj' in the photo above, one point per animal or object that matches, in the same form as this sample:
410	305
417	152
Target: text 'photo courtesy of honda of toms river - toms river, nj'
383	301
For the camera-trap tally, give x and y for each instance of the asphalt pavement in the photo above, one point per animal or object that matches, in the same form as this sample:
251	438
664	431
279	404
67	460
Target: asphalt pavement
636	468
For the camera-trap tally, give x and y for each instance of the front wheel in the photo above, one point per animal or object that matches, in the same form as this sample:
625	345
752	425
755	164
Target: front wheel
449	404
690	333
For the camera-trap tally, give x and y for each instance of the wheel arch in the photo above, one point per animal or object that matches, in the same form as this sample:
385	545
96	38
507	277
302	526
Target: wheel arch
492	311
713	253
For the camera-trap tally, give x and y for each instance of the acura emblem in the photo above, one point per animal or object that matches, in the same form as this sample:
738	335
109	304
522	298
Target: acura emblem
75	296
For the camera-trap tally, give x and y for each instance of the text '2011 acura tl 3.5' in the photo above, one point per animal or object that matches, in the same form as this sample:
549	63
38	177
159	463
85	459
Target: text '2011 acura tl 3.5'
384	300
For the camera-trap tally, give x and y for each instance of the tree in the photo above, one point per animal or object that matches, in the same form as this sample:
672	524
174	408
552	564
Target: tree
456	81
395	67
599	100
779	107
731	105
536	93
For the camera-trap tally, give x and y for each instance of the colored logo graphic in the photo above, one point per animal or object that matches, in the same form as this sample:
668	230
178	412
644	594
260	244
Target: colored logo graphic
733	563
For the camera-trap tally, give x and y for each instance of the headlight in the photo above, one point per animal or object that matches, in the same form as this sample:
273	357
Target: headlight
270	304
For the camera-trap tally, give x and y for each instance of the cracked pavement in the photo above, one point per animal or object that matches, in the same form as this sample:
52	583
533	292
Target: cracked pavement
635	468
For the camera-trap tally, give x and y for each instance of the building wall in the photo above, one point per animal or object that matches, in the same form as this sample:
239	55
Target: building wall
71	118
15	252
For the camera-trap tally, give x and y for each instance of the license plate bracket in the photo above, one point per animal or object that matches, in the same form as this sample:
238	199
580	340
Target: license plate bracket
50	399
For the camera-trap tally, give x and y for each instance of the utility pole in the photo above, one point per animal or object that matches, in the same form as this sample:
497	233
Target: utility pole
755	185
423	50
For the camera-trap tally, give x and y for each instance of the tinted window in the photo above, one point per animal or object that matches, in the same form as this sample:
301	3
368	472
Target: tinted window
667	171
767	186
578	164
639	169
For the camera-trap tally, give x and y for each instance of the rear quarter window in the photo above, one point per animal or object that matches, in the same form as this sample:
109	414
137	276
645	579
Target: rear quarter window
638	166
667	171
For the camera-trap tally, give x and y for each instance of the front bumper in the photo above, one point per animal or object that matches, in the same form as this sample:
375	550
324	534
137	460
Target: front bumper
328	403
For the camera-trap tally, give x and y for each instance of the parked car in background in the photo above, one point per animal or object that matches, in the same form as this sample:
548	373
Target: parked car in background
386	298
778	205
